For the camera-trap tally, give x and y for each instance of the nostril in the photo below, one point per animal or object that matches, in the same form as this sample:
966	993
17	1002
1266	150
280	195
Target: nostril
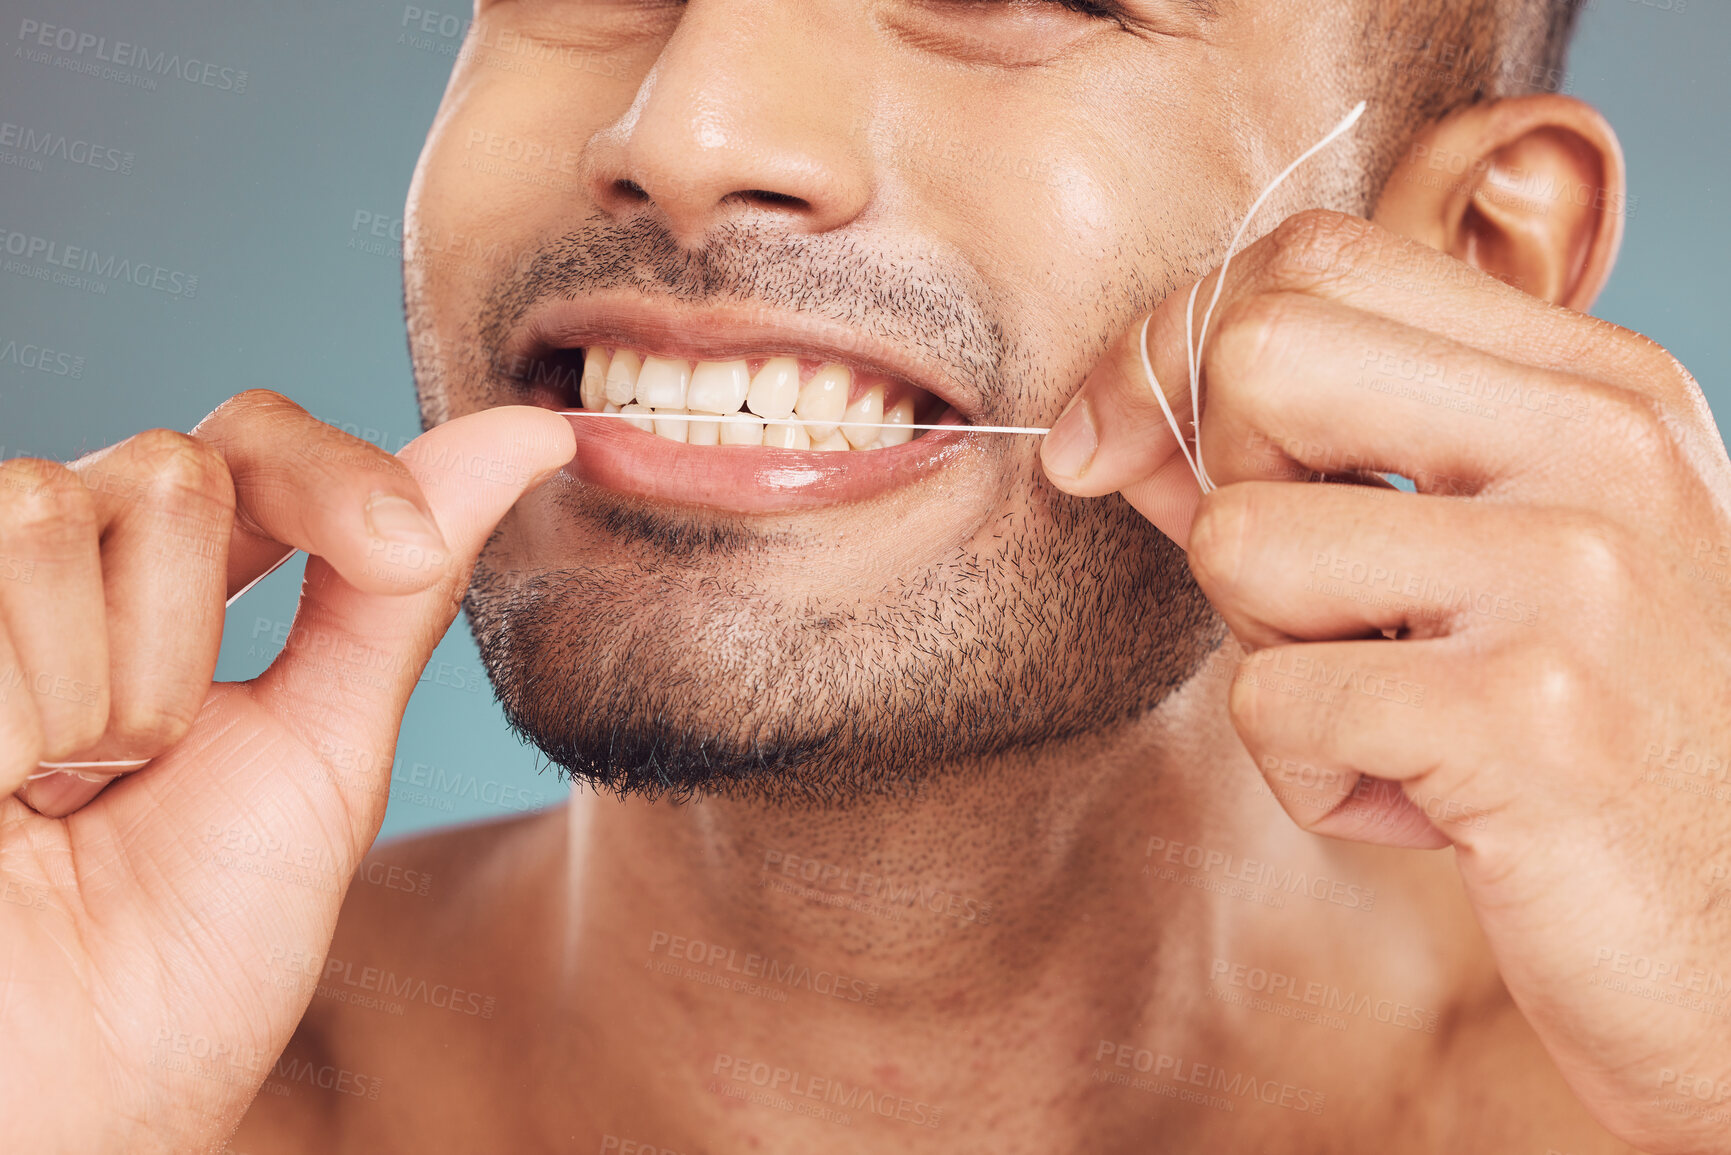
774	199
631	189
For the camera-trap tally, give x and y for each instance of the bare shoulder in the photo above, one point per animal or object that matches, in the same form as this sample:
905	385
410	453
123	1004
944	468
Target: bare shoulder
436	932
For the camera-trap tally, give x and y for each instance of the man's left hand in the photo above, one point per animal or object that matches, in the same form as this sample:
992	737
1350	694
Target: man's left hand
1528	659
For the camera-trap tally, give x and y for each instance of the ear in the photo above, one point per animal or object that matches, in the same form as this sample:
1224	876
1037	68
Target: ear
1530	189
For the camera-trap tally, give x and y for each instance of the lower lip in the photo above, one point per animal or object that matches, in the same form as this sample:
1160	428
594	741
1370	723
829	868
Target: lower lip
749	479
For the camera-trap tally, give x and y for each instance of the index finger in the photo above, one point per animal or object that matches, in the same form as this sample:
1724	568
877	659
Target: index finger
301	483
1115	437
1355	262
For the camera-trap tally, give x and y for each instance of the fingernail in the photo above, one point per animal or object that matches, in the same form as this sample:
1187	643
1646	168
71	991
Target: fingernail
1069	449
395	519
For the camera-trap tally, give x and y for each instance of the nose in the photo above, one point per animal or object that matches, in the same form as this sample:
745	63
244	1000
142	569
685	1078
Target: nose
753	109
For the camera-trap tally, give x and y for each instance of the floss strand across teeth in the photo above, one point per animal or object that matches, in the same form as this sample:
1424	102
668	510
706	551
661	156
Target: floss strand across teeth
803	421
1193	342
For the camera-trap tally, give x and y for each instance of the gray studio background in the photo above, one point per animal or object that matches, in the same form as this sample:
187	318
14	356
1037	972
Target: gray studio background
257	194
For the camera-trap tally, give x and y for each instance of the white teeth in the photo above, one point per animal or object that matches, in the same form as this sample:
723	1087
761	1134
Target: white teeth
593	389
901	413
779	436
741	430
669	424
718	387
824	399
622	377
662	382
757	409
775	388
704	433
870	409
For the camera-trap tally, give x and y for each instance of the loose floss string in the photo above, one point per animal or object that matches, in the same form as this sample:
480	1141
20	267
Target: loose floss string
1193	341
44	769
1193	347
1193	344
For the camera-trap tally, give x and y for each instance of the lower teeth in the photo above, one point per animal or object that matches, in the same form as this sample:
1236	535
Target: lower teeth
690	428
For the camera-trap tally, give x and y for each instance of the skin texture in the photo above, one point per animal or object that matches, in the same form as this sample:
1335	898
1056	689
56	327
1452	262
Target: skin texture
992	946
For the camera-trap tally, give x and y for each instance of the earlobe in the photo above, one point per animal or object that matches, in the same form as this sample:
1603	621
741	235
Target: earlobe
1530	189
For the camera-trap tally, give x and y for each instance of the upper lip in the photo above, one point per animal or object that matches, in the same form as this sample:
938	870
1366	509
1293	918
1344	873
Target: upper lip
724	332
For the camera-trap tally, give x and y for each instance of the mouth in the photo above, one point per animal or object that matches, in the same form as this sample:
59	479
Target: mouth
711	413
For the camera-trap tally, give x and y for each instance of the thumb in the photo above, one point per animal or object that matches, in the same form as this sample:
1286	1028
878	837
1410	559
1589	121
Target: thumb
353	657
1114	437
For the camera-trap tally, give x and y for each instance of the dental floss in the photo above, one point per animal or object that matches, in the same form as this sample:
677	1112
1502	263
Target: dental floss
72	768
1194	347
712	417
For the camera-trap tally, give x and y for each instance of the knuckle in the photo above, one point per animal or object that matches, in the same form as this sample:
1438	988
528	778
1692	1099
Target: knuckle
1596	559
1553	692
251	415
1656	368
342	456
1679	383
143	727
1218	535
74	730
38	496
1315	244
1253	332
181	467
249	402
1632	426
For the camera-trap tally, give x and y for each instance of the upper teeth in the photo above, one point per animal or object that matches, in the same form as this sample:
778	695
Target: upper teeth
666	389
662	383
775	389
718	387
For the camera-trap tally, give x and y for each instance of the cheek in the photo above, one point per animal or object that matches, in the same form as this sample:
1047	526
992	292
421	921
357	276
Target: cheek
1030	208
491	187
1059	261
502	168
492	171
1087	217
1053	215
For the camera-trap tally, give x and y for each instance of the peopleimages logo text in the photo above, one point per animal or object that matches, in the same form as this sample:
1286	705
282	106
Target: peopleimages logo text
124	54
89	261
59	146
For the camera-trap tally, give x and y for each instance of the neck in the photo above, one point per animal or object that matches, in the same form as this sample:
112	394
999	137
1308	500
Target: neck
1081	894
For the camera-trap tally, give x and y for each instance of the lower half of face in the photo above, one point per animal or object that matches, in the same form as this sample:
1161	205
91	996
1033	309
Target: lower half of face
758	577
777	619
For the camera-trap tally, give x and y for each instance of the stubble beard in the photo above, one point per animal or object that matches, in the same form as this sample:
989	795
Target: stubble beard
674	662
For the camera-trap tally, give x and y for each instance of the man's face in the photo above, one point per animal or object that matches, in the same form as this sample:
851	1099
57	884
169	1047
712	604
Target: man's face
956	203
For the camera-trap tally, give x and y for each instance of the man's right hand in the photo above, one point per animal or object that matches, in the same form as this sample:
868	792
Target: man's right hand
161	934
